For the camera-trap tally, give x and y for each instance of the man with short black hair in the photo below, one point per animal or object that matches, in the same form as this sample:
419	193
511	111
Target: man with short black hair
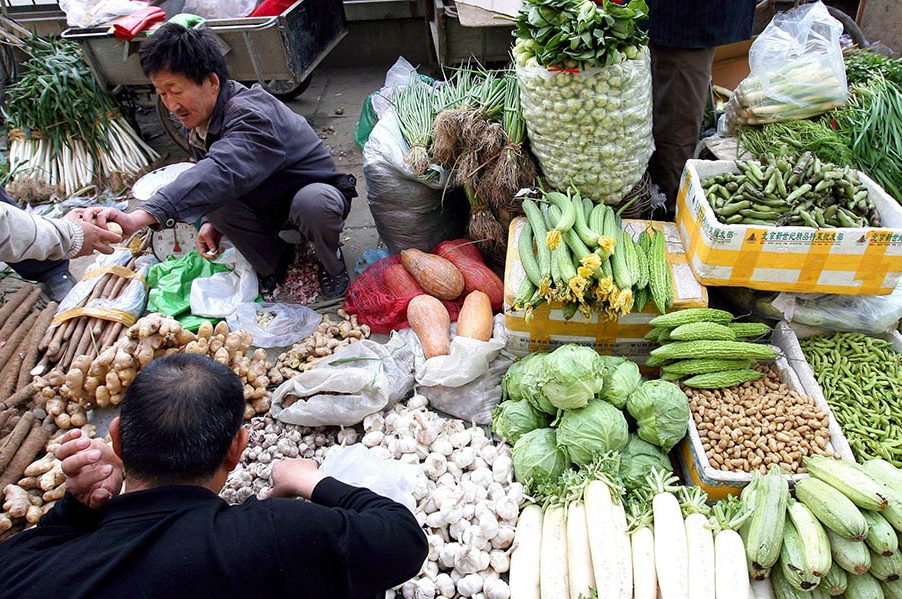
260	167
170	535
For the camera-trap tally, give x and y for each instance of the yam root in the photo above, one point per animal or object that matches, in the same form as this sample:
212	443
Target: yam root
33	444
19	397
14	301
19	314
13	346
15	440
41	329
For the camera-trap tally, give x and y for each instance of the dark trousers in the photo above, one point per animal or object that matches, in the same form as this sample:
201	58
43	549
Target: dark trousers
680	80
40	271
317	210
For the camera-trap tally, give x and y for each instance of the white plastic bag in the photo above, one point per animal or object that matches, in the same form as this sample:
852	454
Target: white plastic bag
355	465
467	382
90	13
797	70
868	314
219	295
220	9
290	324
367	377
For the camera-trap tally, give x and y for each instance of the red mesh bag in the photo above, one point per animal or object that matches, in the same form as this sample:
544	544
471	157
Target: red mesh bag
380	308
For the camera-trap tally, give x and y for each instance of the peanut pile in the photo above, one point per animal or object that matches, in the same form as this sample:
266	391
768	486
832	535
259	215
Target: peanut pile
751	426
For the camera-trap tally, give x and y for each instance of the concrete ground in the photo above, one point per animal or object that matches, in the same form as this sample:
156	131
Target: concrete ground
332	106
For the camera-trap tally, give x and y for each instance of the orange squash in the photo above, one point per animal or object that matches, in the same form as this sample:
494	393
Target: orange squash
466	257
430	320
475	318
438	277
400	282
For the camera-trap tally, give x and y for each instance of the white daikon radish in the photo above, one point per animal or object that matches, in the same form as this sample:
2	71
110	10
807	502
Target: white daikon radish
624	563
700	544
579	559
671	549
731	575
553	570
762	589
526	557
645	580
603	545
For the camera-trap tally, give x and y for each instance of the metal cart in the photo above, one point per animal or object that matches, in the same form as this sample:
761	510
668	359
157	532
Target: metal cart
279	52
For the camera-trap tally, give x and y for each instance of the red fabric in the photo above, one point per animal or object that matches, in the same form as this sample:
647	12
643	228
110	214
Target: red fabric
377	307
271	8
127	27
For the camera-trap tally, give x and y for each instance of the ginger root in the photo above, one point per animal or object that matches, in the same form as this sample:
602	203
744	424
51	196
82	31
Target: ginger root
15	501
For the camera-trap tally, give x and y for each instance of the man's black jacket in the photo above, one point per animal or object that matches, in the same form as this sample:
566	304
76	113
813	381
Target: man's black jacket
187	542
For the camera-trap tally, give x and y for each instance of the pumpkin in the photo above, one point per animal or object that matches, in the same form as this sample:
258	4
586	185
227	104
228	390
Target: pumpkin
475	318
477	276
438	277
431	322
400	282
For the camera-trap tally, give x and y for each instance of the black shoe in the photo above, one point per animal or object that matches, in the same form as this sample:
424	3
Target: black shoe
58	286
332	288
269	283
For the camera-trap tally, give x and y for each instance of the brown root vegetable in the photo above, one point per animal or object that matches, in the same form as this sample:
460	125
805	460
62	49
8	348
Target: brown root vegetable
14	301
15	440
41	330
19	314
34	443
15	501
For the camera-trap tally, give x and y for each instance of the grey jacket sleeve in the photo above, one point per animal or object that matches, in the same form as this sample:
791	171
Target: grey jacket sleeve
248	153
25	236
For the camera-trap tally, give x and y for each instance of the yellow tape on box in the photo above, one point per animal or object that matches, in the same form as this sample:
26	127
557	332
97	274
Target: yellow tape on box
624	336
849	261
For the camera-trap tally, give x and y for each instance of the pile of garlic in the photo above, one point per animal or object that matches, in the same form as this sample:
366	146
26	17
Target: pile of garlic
467	502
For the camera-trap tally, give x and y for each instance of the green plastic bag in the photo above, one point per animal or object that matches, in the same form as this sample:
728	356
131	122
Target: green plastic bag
170	286
366	122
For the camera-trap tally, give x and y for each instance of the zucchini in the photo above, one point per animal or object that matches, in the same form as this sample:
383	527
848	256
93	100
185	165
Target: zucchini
528	257
835	581
849	479
851	556
564	222
792	561
886	568
784	590
763	532
537	224
834	510
882	539
892	590
863	586
814	541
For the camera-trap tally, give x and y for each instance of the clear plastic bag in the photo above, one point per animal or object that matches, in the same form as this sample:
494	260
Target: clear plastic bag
355	465
868	314
90	13
408	210
219	295
290	323
797	70
591	128
220	9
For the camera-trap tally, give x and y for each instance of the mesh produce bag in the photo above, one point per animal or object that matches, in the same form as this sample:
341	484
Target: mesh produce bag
590	128
377	307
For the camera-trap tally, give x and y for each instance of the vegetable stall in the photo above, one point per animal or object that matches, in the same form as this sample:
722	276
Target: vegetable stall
591	403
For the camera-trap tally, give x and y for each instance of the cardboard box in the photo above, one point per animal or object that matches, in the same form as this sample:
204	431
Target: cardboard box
622	337
851	261
699	472
731	64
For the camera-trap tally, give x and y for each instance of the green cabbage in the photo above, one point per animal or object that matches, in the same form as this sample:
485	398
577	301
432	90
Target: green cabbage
586	432
512	381
537	458
530	384
512	419
661	410
572	375
638	459
619	382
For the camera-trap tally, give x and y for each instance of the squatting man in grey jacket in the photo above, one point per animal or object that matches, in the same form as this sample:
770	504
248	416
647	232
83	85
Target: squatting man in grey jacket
261	168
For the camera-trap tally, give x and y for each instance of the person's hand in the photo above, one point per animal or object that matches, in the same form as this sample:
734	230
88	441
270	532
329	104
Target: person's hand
208	241
295	478
96	238
99	216
93	471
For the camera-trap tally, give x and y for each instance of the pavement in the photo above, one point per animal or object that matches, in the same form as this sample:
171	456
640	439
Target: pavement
332	106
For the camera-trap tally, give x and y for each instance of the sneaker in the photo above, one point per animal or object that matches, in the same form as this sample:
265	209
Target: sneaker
58	286
332	288
268	284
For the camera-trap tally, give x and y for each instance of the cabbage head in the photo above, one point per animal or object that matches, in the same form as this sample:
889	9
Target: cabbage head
586	432
661	410
530	385
512	381
638	459
512	419
619	383
537	458
573	375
